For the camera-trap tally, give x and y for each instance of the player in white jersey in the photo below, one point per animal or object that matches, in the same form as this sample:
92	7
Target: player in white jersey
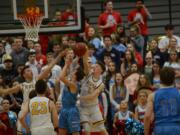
43	112
27	86
92	85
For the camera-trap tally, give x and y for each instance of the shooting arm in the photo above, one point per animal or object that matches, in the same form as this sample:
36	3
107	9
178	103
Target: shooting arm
64	79
85	63
47	70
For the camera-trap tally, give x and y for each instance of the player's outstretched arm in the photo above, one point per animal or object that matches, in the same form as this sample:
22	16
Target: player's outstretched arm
85	62
63	76
8	91
47	70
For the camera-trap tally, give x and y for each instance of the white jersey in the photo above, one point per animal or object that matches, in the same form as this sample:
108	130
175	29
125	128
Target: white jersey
141	112
27	87
40	113
124	116
88	86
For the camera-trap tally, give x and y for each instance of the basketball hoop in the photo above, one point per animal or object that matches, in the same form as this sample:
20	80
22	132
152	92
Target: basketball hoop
31	21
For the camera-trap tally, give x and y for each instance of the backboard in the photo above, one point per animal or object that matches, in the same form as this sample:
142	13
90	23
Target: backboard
60	16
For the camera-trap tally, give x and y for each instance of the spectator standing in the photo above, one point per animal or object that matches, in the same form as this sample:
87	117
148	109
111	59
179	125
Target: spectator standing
137	39
19	53
109	20
40	58
139	17
93	39
115	54
32	63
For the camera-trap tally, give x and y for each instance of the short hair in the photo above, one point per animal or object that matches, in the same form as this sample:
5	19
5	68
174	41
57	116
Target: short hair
41	86
91	46
169	27
56	44
143	90
49	54
79	74
101	65
5	98
167	76
140	0
22	72
107	54
32	94
107	36
31	52
107	1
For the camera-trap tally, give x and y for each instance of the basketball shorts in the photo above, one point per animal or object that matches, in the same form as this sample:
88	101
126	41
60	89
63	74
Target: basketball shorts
43	131
69	119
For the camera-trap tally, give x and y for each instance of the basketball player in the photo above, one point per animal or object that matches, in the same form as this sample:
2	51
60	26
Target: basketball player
44	118
29	83
69	117
91	86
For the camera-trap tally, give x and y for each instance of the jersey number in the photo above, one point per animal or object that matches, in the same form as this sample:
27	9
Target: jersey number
39	108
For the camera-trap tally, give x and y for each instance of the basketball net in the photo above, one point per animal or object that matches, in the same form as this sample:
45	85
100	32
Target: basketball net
31	21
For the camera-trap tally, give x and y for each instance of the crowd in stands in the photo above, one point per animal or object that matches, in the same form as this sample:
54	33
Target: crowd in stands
126	63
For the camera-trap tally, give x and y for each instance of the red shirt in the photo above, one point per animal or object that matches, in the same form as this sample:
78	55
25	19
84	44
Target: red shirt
5	119
139	58
41	59
114	18
70	18
44	40
142	16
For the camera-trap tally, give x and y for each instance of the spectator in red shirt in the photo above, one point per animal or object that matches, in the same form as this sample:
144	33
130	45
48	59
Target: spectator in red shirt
69	16
109	20
40	58
139	16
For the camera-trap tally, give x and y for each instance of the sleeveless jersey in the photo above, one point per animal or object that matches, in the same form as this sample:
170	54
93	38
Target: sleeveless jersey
27	87
123	116
40	113
68	99
141	112
166	107
88	86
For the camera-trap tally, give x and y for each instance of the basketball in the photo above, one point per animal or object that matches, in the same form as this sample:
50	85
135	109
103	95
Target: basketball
79	49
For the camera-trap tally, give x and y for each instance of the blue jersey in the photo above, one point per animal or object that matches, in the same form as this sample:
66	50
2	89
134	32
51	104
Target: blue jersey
69	117
167	111
68	99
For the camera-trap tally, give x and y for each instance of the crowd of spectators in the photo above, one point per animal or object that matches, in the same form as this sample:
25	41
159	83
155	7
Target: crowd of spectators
132	63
